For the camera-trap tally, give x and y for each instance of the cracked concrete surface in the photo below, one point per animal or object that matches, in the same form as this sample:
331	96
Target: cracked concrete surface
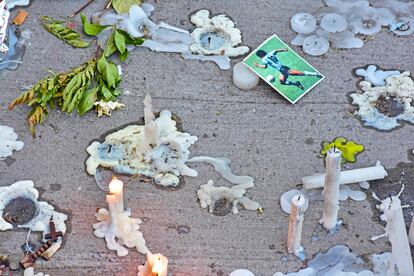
265	136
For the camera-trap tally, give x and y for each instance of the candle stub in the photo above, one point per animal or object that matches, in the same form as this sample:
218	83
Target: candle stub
243	77
331	189
295	225
116	225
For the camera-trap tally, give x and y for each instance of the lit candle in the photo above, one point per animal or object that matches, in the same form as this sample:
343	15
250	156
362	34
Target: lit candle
156	265
400	259
295	225
113	210
116	189
115	224
331	189
347	177
411	233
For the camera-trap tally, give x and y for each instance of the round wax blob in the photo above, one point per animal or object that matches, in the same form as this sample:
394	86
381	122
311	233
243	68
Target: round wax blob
315	45
303	23
243	77
357	195
334	23
286	200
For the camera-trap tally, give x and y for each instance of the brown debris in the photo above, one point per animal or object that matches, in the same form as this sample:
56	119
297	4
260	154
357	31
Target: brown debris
20	17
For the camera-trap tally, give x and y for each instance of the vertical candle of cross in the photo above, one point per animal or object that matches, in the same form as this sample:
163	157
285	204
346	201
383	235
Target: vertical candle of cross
295	225
116	189
331	188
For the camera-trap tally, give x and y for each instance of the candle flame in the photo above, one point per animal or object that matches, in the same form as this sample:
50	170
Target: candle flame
115	187
158	266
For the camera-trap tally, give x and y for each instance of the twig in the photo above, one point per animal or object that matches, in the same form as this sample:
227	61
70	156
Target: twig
81	8
108	5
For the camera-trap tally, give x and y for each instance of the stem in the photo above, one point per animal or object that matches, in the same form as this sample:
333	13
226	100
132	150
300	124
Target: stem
98	52
81	8
108	5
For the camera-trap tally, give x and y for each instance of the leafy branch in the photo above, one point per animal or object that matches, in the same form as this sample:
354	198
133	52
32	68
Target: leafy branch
66	34
95	80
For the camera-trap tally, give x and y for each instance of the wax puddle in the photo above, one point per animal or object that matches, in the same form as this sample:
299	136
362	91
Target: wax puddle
385	98
214	39
214	197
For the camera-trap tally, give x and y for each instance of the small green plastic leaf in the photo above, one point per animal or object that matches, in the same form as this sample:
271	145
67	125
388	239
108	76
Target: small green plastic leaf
88	100
349	149
119	42
90	28
109	71
123	6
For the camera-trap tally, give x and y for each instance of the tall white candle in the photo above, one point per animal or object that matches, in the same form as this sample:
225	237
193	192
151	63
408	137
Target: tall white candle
295	225
116	189
347	177
411	233
112	206
400	259
331	189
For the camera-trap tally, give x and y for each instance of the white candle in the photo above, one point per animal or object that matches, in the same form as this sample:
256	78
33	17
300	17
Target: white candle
150	127
397	234
331	189
346	177
156	265
243	77
295	225
116	189
112	206
411	233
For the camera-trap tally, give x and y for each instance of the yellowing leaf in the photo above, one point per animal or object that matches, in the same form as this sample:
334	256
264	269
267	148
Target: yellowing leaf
123	6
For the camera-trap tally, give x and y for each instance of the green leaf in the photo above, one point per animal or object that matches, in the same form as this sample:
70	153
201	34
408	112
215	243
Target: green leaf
119	42
131	40
90	28
88	100
123	57
123	6
68	35
106	93
109	71
110	47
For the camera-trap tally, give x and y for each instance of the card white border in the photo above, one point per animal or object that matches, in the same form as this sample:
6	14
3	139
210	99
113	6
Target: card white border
258	47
